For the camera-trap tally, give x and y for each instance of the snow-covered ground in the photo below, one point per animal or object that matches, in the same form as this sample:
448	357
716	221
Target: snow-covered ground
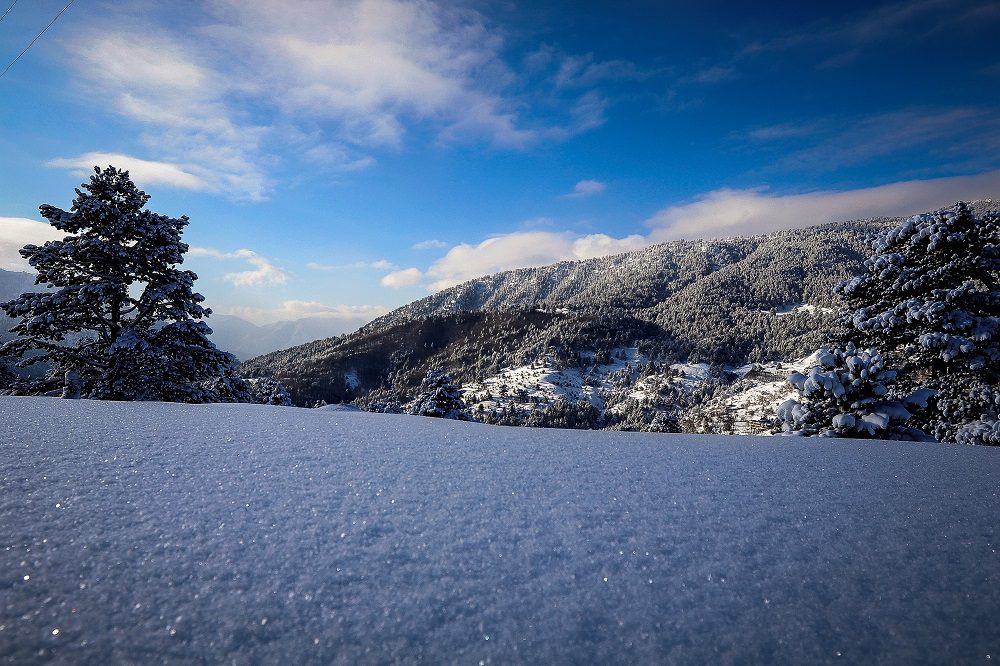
141	532
747	407
545	382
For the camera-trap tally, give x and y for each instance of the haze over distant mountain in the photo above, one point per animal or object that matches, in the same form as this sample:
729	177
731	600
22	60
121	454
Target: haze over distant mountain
247	340
12	285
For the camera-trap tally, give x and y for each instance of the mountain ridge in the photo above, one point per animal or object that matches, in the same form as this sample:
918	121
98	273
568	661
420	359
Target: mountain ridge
707	300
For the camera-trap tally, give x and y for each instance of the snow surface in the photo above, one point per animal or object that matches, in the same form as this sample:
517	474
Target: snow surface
546	382
786	310
144	532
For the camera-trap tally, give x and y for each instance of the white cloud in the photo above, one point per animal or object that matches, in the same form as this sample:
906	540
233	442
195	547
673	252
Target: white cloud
264	271
520	249
165	84
586	188
381	265
195	251
247	80
377	265
403	278
724	212
432	244
143	172
727	212
353	316
15	233
584	70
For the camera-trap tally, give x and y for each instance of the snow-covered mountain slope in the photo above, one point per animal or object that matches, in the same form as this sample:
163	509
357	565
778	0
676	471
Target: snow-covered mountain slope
793	266
144	532
728	301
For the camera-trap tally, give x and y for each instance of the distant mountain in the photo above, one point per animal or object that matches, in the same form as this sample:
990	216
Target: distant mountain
247	340
729	301
12	285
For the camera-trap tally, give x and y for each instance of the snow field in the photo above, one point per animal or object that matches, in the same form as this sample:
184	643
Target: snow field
149	532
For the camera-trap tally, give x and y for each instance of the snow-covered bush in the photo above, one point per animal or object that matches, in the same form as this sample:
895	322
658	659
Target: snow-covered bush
440	397
267	391
848	394
982	432
120	320
259	390
380	400
930	300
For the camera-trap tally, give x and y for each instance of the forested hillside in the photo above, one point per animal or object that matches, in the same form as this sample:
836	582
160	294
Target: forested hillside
728	301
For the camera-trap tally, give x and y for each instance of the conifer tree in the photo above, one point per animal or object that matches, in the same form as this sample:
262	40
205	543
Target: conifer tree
849	393
120	318
930	300
439	396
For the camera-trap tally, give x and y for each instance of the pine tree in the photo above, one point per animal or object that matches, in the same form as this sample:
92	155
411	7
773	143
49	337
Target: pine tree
120	316
930	300
440	397
849	394
7	377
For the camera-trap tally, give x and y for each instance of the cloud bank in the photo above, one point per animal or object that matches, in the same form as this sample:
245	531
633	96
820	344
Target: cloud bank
719	213
727	212
15	233
351	316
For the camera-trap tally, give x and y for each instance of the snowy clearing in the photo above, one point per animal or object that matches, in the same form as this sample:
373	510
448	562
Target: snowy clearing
142	532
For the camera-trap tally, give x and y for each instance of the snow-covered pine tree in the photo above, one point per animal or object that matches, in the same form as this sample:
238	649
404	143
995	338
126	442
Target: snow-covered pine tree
120	316
7	377
930	300
439	396
849	394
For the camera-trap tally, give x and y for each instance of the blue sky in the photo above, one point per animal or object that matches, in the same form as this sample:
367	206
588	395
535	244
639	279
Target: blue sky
339	159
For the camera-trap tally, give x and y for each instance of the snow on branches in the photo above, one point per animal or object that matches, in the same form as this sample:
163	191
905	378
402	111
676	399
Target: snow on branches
439	396
120	319
930	300
848	394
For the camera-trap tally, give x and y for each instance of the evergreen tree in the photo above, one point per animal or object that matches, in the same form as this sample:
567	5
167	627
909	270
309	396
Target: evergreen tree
7	377
120	321
930	299
848	394
439	396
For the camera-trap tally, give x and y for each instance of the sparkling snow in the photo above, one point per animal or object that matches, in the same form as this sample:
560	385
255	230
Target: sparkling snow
143	532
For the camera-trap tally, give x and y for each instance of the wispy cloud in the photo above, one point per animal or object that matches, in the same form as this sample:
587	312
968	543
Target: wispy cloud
377	265
330	83
913	20
711	75
165	84
15	233
263	273
586	188
581	71
432	244
968	137
143	172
